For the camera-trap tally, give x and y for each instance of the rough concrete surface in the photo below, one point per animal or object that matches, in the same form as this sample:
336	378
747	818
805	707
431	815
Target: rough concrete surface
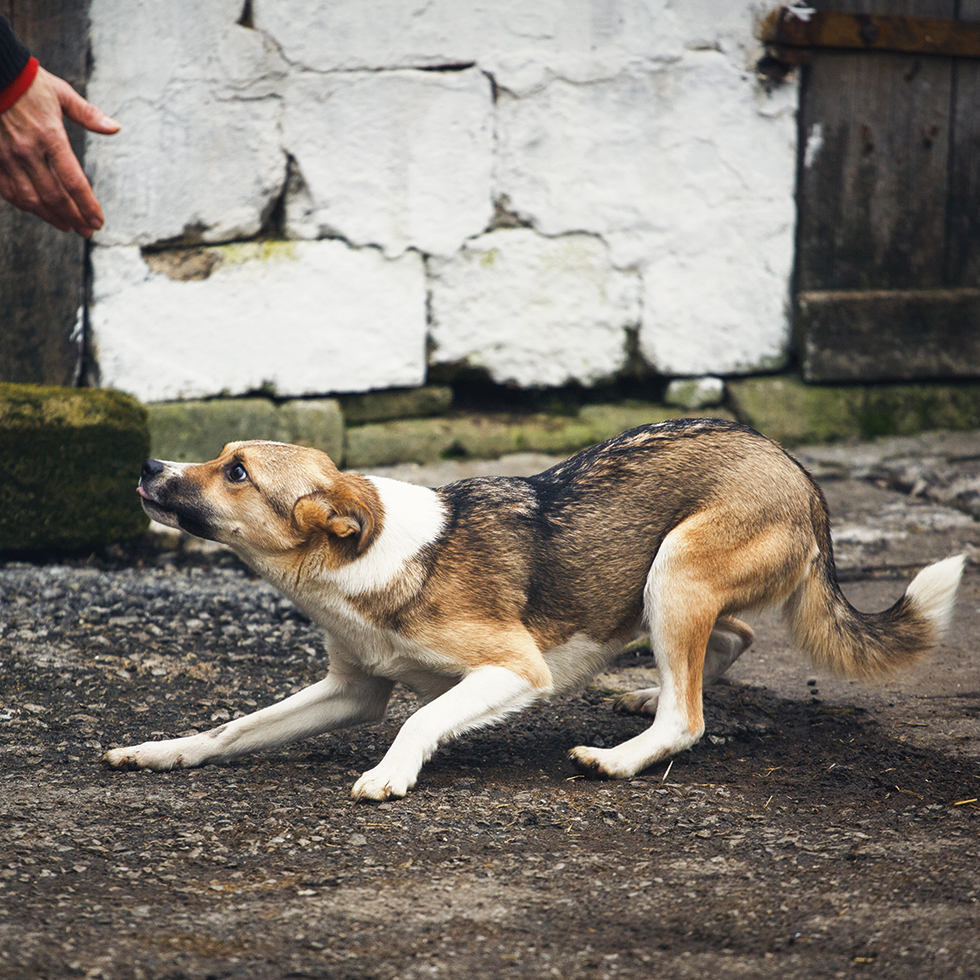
820	829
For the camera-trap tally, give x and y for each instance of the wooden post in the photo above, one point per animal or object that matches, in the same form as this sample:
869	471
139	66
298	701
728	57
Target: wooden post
42	270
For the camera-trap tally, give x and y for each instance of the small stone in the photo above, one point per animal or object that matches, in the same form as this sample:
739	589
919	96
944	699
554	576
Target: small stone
693	393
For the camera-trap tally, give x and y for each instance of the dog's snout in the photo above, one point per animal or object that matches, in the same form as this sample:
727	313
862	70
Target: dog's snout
151	468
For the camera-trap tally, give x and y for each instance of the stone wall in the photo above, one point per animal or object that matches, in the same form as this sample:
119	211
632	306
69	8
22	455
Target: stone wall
311	197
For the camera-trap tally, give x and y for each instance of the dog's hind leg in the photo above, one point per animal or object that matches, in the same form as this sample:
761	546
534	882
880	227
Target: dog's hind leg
728	641
340	700
682	608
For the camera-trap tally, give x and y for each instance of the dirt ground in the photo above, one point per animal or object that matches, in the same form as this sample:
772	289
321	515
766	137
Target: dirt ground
820	829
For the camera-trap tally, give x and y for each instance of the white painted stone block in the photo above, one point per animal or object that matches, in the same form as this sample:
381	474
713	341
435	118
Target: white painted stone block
199	150
532	310
331	36
301	317
400	159
721	309
688	175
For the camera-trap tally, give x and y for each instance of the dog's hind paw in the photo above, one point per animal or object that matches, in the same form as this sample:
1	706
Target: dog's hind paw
599	763
638	702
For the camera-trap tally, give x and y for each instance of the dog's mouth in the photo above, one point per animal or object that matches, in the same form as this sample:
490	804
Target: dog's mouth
157	512
183	519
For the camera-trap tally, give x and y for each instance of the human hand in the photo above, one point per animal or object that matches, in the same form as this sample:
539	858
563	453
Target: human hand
39	172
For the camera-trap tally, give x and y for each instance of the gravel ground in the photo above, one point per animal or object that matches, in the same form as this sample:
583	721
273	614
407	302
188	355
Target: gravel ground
820	829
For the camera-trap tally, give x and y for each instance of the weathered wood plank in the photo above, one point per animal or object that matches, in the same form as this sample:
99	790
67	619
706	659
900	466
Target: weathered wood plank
793	35
888	193
963	208
42	270
872	183
889	334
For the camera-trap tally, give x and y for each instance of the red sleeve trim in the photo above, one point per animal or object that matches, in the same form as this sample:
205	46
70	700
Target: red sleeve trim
19	85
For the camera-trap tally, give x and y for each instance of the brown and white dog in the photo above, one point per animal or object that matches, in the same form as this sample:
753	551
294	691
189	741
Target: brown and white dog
486	595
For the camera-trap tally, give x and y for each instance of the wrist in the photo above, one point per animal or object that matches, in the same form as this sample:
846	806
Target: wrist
19	85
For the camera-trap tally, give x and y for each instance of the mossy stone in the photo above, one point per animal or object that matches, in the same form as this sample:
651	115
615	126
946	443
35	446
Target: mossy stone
426	441
794	413
399	403
72	459
196	431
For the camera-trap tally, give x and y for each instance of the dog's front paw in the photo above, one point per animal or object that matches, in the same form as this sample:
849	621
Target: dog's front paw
599	763
638	702
159	756
377	786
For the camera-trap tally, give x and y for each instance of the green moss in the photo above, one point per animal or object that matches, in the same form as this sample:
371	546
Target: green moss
794	413
400	403
268	251
488	437
195	431
72	462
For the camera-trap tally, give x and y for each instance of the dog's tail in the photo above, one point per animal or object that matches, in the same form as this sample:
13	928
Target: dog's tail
869	645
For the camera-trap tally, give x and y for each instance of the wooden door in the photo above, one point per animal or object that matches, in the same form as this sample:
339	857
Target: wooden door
888	239
42	270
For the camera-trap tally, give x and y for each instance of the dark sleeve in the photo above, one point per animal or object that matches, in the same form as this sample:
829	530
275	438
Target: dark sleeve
13	55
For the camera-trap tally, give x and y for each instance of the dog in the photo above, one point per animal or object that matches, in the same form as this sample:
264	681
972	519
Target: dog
489	594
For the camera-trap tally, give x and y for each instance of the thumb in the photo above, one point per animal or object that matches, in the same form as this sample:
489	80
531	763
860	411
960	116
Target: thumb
83	112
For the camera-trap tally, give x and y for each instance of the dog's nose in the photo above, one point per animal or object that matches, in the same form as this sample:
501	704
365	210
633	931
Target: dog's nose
151	468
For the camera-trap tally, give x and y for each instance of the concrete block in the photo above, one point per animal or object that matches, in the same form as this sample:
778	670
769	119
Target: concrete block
427	441
693	393
688	175
640	125
316	422
72	459
907	409
195	431
292	318
407	403
794	413
606	421
386	443
532	310
399	159
199	155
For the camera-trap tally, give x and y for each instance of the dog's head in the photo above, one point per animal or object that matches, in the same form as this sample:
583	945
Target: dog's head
266	500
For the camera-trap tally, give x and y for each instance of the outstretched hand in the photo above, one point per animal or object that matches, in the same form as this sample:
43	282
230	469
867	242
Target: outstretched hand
39	172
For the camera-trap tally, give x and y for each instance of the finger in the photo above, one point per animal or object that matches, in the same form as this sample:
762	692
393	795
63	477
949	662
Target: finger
82	111
44	193
74	191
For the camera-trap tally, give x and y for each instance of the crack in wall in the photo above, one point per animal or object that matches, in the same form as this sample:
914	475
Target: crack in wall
247	18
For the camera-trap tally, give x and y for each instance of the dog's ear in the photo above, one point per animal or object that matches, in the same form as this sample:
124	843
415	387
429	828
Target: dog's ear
341	514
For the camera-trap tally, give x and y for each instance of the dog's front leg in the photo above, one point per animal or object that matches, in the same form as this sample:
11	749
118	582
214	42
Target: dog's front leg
340	700
481	698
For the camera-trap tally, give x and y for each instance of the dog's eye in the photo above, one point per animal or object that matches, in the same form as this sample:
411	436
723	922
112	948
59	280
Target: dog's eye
237	473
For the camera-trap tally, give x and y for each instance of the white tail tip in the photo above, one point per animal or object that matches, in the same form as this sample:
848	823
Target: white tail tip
933	591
